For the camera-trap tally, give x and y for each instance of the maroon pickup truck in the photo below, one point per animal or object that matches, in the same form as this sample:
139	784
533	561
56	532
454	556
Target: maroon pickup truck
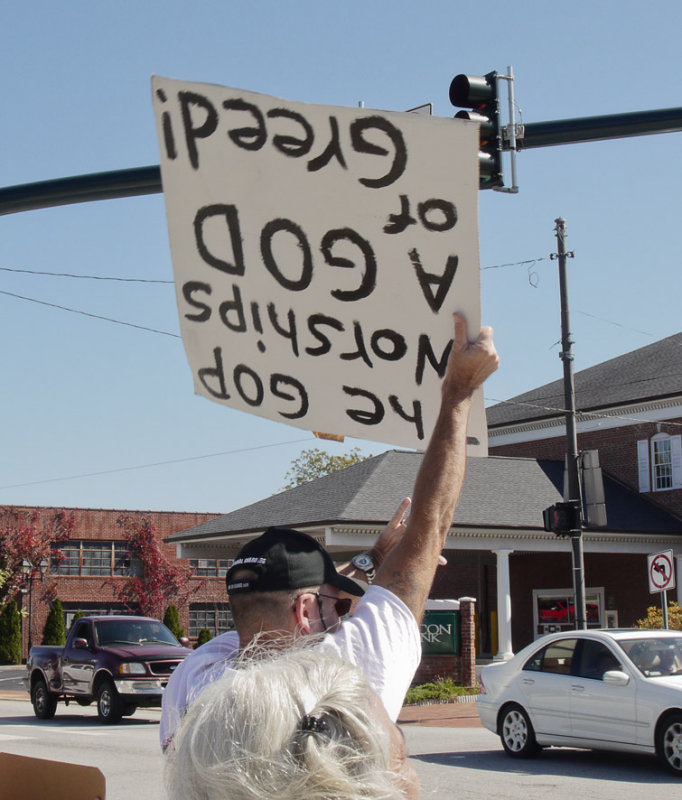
120	662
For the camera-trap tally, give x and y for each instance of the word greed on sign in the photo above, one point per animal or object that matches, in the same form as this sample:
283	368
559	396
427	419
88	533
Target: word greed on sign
319	253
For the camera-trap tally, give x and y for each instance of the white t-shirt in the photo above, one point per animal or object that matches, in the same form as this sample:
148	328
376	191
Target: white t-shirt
381	637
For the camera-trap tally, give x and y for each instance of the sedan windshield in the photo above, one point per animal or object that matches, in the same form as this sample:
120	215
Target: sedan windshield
655	657
133	631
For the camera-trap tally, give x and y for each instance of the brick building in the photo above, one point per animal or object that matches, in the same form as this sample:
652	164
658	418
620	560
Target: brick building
96	556
629	410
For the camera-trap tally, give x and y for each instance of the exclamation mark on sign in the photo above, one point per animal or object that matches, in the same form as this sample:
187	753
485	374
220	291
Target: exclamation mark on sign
258	325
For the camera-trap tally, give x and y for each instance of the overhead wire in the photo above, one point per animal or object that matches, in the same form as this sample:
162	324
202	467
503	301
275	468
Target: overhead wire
88	314
87	277
158	463
524	263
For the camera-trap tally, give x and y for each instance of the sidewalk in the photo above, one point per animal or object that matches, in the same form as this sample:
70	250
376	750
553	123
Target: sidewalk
444	715
441	715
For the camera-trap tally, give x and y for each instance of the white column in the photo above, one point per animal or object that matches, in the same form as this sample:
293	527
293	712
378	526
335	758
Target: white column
678	579
504	640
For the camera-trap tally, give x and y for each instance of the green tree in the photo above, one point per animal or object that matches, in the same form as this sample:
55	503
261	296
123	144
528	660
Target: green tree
654	617
54	631
204	636
10	634
315	463
171	619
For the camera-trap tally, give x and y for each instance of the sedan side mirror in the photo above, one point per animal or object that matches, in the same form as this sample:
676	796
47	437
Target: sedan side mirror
184	641
616	677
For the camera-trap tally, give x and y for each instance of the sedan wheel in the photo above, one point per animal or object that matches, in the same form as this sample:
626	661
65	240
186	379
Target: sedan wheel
670	743
516	733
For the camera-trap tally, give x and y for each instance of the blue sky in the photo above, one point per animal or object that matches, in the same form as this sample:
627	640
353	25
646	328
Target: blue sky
89	406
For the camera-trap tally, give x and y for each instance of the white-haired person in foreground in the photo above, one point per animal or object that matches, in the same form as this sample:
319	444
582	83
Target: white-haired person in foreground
295	725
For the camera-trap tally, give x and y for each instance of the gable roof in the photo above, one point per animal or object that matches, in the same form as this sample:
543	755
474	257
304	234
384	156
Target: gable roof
651	372
498	492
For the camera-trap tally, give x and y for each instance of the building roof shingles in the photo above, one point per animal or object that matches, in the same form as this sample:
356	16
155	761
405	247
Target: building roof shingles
654	371
497	493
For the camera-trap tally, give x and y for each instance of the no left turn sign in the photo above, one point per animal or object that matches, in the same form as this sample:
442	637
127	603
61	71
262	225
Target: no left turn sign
661	571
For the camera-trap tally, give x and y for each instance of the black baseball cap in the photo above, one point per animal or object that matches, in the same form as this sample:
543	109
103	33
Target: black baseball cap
284	559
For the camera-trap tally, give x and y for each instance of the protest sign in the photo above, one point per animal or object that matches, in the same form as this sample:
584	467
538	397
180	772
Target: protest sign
319	253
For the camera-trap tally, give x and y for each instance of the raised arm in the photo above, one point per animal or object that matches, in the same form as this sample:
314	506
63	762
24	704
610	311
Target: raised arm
409	568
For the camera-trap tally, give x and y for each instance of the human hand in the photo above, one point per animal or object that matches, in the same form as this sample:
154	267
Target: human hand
470	363
392	534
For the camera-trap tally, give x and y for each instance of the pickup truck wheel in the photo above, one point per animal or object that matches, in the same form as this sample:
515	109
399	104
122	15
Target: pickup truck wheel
109	705
129	709
44	703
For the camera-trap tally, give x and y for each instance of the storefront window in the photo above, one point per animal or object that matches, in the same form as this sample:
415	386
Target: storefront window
554	609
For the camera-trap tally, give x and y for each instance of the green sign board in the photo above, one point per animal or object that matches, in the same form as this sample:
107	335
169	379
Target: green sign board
440	633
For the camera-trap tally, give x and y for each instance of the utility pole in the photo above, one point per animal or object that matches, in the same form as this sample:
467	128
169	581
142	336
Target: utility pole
572	455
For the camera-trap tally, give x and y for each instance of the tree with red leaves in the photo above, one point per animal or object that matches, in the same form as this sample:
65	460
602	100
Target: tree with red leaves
161	583
29	534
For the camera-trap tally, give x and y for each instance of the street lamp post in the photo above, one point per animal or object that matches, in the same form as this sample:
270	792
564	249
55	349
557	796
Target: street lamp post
28	569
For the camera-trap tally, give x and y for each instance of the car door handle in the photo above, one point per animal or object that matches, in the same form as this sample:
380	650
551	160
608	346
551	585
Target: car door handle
528	682
577	688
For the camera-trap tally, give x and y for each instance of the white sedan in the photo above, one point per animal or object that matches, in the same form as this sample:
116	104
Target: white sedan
602	689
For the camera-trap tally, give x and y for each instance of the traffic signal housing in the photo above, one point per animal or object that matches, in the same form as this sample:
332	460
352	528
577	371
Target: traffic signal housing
562	518
479	93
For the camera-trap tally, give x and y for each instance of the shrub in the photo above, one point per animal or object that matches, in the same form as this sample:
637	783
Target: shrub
654	617
442	689
54	631
204	636
10	634
76	617
171	620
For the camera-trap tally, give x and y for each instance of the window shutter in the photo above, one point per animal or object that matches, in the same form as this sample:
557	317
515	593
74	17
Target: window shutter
676	452
643	465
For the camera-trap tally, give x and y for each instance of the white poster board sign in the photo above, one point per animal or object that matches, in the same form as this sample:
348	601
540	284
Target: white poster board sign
319	253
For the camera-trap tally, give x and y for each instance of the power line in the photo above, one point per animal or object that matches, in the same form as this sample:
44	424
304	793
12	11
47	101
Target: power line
23	271
88	277
87	314
617	324
157	464
524	263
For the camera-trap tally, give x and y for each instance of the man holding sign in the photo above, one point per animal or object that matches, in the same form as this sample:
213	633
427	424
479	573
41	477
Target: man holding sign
318	252
382	636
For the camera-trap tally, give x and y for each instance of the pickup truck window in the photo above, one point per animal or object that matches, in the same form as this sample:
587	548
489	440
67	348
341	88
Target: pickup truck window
83	632
140	632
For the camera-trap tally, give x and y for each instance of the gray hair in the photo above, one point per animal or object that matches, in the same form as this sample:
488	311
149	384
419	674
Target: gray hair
296	725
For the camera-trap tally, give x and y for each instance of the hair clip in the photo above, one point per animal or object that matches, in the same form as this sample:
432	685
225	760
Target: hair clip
313	724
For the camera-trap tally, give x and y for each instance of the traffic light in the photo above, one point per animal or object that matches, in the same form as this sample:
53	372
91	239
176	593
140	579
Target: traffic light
562	518
479	93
